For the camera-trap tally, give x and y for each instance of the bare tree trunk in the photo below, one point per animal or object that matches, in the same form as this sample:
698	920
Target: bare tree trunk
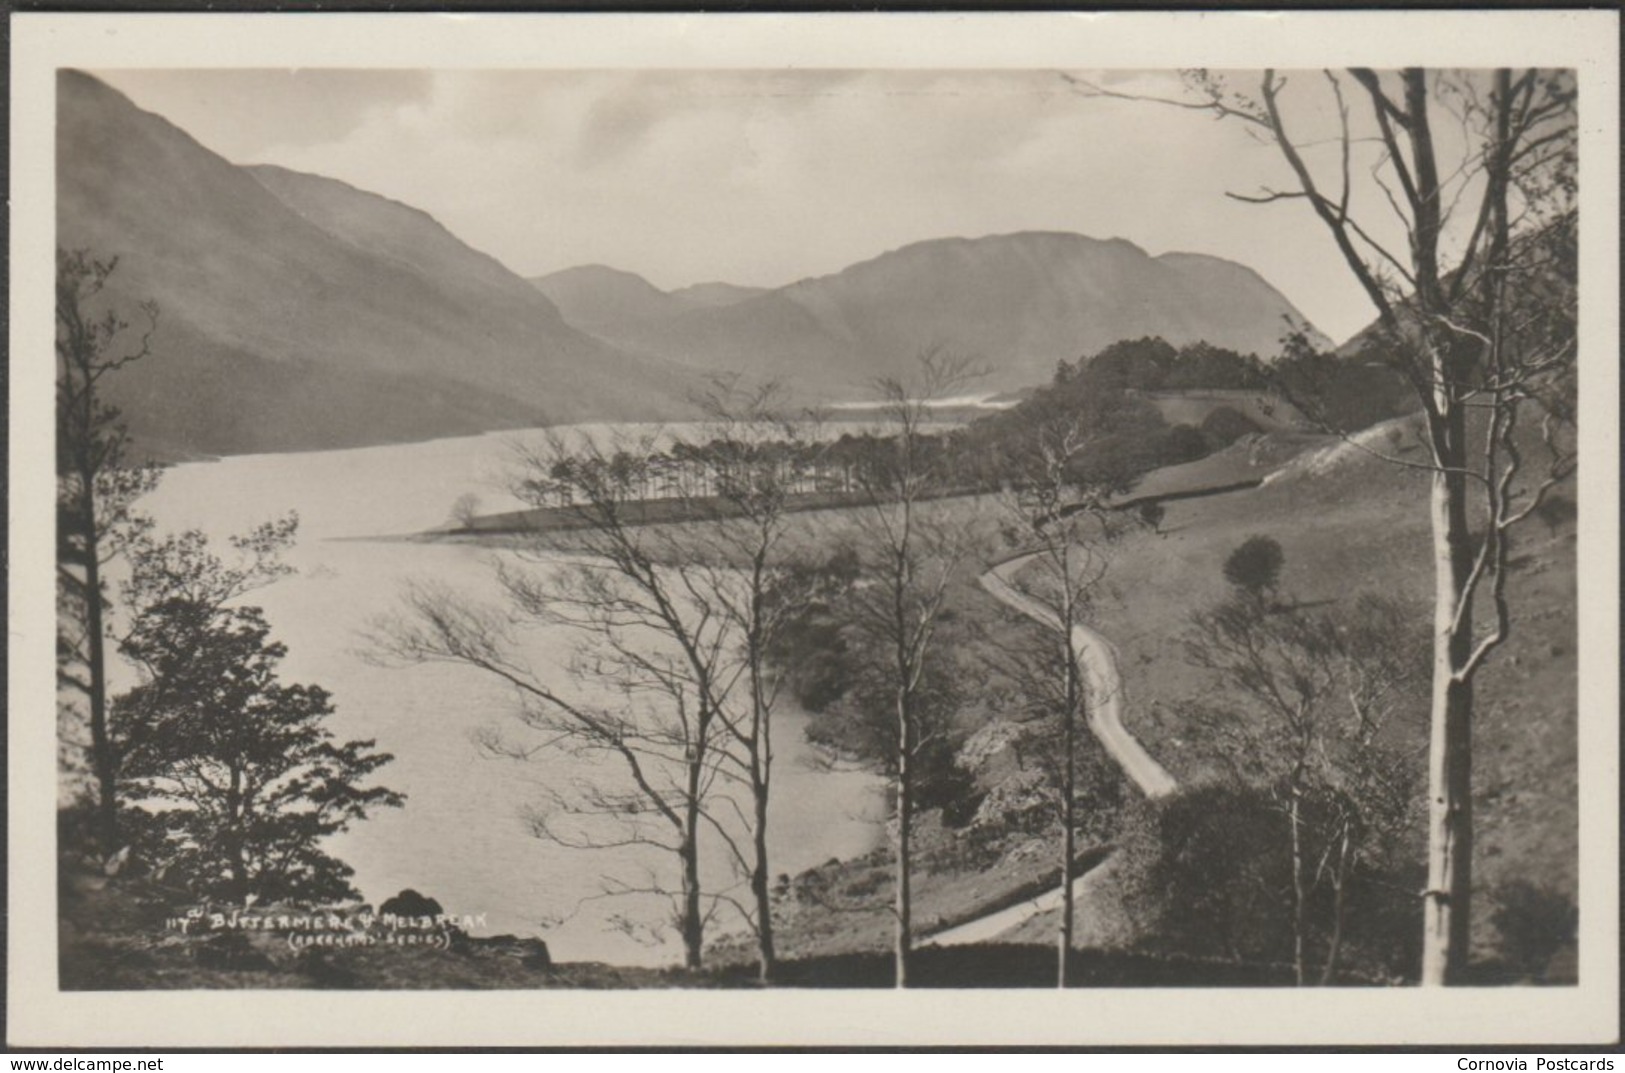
1068	850
1450	822
759	887
103	761
233	835
101	740
1298	895
688	851
693	923
1450	758
1446	920
1069	795
1334	945
905	820
760	749
101	743
239	865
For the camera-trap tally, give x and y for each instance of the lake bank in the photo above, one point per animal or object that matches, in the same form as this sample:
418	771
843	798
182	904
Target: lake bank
462	837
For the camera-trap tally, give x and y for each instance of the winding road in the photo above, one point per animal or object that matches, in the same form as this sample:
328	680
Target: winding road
1099	662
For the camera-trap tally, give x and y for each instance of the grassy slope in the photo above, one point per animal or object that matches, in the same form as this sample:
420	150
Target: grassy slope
1192	406
1251	458
1362	526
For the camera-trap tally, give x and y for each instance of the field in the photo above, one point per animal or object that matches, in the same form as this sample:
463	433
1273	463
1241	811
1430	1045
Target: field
1192	407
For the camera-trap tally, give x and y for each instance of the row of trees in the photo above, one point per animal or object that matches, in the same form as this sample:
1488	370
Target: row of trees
1092	397
215	773
804	464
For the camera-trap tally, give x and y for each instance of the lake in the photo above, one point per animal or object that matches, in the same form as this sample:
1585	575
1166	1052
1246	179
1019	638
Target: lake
460	838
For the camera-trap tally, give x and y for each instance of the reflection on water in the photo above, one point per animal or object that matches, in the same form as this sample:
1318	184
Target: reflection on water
460	838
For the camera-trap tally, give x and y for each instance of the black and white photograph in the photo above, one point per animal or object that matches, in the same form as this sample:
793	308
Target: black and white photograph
608	507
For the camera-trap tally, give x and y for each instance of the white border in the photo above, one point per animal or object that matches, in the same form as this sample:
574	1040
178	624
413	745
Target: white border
40	1015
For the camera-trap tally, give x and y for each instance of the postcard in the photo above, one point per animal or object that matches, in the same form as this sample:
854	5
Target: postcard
890	529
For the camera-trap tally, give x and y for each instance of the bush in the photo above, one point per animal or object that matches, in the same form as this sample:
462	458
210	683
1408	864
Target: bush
1204	875
1207	873
1225	425
465	511
1182	443
1255	566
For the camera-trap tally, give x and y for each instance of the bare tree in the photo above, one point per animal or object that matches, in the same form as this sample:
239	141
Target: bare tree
465	510
1063	528
1479	168
650	626
910	562
1316	693
752	461
97	487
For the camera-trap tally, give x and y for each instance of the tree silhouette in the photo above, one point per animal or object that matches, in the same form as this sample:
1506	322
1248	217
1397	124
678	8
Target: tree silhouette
97	488
1255	566
250	779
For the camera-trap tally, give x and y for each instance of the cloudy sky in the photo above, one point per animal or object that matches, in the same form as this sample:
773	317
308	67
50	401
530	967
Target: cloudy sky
767	177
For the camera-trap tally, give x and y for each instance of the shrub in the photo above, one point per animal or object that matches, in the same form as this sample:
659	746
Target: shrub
1182	443
1255	566
1207	873
1225	425
1204	875
1534	923
1152	512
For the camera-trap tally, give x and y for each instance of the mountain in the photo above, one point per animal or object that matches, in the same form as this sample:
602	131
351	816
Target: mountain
298	312
1020	303
590	296
716	293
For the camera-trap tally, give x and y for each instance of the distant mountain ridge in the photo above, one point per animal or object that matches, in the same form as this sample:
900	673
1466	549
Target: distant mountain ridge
592	296
298	312
1019	302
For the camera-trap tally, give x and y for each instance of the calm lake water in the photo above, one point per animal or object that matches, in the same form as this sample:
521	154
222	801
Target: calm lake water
460	837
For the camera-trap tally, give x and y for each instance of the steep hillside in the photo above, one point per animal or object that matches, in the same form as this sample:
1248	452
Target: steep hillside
588	295
1192	406
594	297
1019	302
716	293
300	313
1352	524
